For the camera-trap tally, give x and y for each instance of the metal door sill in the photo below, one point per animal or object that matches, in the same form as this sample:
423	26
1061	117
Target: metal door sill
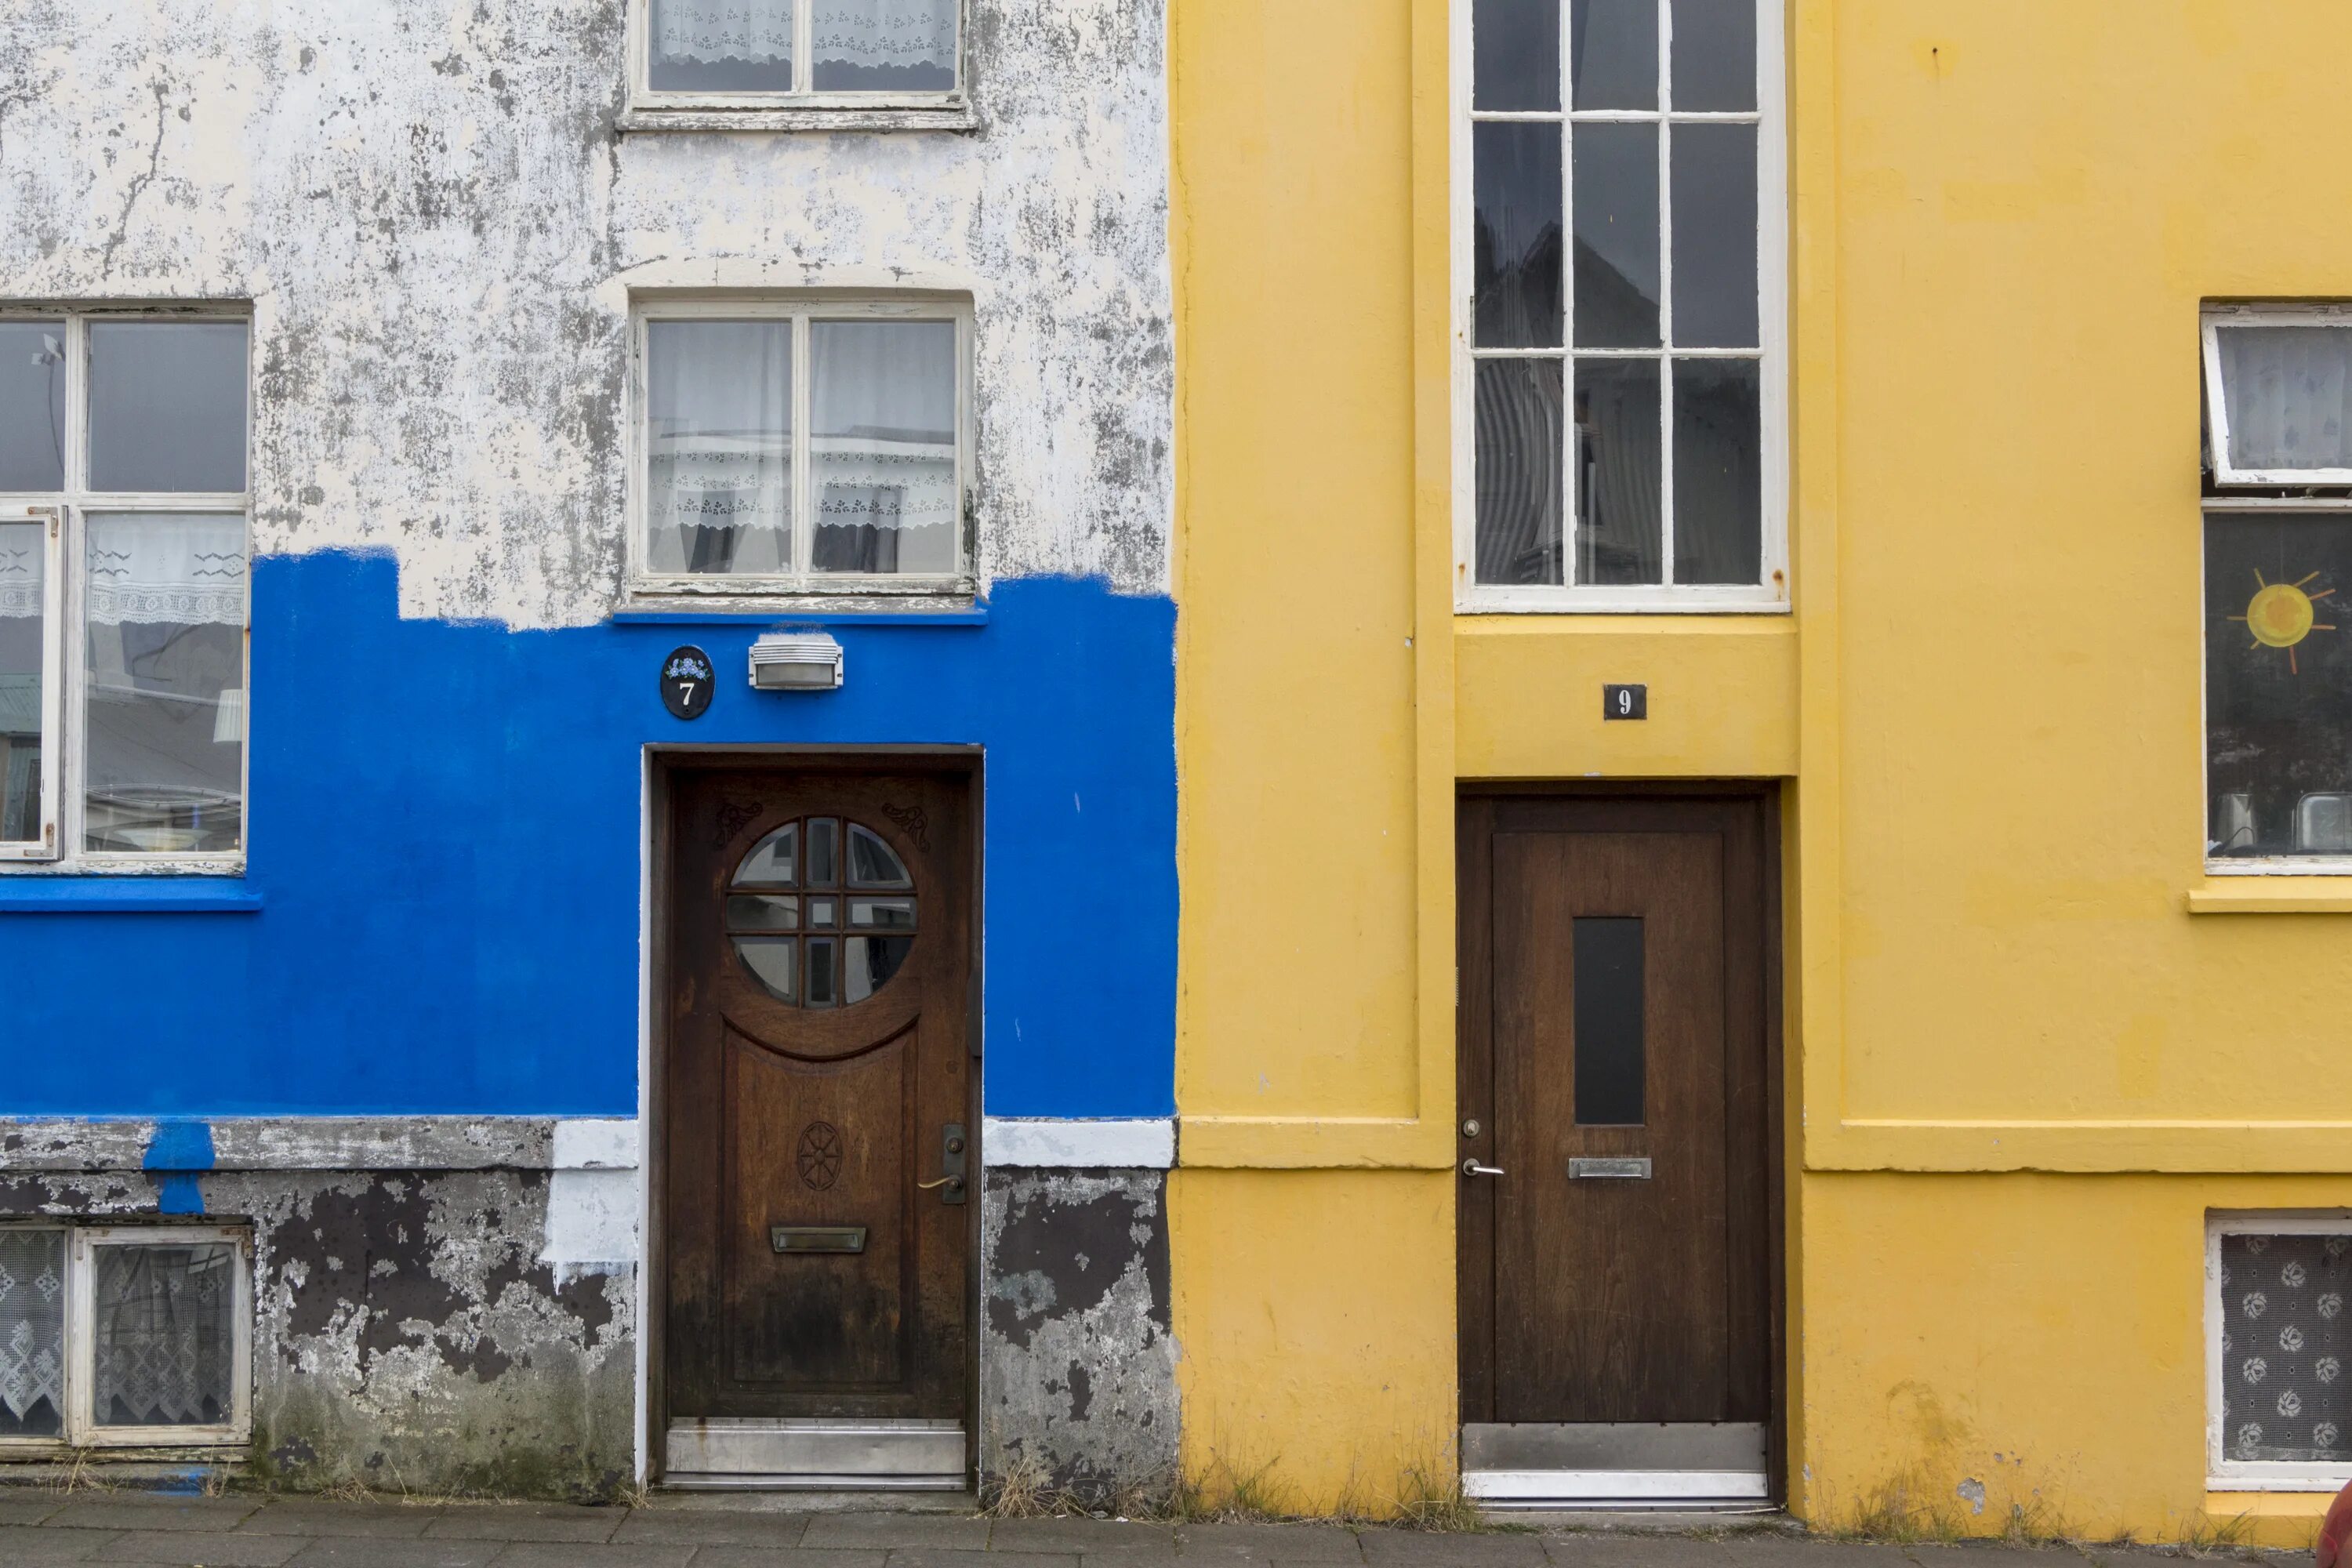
809	1483
816	1455
1616	1489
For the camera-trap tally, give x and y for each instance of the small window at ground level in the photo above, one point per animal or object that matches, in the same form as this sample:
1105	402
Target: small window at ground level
803	447
1617	233
124	568
124	1336
787	51
2279	1348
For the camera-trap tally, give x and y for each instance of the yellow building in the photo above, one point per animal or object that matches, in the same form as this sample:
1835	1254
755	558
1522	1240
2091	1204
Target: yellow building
1723	643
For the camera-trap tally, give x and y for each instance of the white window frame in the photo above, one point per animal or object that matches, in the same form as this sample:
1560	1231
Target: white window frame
65	657
2221	1472
1771	594
800	108
801	584
81	1429
2212	319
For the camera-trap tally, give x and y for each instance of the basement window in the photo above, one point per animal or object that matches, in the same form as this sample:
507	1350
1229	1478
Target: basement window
123	504
797	64
125	1336
2278	573
2279	1402
815	447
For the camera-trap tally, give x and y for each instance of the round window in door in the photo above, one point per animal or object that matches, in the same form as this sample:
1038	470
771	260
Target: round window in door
821	912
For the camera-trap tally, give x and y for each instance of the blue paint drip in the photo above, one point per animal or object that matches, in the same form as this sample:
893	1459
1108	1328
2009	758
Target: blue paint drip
176	1151
447	820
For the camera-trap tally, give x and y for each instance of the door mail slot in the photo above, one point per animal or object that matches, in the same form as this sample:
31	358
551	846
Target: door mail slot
1627	1169
818	1237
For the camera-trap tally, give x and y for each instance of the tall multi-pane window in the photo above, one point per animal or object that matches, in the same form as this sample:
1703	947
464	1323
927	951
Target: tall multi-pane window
801	446
122	587
1623	418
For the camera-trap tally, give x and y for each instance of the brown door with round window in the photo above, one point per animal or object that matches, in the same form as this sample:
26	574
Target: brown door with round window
817	1129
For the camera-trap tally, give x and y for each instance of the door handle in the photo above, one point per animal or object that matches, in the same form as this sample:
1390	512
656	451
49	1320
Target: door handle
952	1165
1471	1167
942	1182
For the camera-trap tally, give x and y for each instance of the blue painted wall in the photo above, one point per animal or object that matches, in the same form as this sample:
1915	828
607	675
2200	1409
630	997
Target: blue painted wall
445	834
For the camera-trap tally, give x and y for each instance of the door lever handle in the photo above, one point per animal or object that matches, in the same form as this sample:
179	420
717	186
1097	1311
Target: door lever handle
943	1181
1471	1167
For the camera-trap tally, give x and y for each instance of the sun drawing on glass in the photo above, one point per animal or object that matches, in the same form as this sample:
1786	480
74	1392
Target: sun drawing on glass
2281	614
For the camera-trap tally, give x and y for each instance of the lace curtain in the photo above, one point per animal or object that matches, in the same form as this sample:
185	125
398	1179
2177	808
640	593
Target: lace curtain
160	569
2284	1392
2289	393
164	1345
31	1333
708	31
887	32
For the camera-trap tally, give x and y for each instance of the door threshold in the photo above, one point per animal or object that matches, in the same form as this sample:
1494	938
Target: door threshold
828	1455
1619	1488
688	1482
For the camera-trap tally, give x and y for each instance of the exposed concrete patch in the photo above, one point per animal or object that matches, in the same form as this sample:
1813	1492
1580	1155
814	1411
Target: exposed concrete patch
1077	1364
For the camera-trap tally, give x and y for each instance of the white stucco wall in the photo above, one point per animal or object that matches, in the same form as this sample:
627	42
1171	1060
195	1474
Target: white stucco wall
438	226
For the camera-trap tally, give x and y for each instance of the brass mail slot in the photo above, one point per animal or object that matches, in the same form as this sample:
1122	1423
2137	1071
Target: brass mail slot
1633	1170
818	1237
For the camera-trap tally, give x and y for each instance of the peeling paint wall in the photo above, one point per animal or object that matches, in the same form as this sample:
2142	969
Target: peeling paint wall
1077	1366
438	224
407	1334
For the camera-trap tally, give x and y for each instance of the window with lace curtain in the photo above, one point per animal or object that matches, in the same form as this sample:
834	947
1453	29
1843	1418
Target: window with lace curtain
698	57
124	1336
123	501
2279	1345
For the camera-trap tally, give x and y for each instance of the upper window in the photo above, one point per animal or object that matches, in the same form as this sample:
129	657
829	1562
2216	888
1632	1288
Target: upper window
2278	566
1621	419
780	55
796	448
122	588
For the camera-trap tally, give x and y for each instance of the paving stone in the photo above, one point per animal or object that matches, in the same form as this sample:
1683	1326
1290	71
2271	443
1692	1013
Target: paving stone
591	1555
377	1551
210	1549
316	1516
757	1557
1600	1550
894	1531
1393	1548
134	1511
1092	1537
1267	1543
28	1505
23	1546
1785	1552
774	1532
947	1557
1134	1557
524	1521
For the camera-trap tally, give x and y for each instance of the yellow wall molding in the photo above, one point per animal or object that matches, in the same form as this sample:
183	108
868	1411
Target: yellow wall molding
1298	1143
2273	896
2178	1146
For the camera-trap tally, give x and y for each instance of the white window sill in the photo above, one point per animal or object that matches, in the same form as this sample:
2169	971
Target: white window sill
931	114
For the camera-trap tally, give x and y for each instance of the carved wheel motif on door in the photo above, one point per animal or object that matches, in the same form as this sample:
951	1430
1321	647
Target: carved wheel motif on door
820	1155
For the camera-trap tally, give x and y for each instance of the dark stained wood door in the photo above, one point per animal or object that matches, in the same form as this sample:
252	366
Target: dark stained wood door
1613	1055
816	1094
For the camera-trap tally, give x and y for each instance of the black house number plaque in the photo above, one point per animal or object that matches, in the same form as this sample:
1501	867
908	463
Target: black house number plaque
686	682
1624	701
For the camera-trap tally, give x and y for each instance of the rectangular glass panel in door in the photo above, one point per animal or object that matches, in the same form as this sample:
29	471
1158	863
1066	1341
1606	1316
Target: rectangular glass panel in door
1609	1059
163	1339
23	625
31	1333
719	448
163	683
719	46
882	442
885	46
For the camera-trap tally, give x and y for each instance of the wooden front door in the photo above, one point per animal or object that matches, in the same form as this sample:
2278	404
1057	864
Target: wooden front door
1612	1061
818	1151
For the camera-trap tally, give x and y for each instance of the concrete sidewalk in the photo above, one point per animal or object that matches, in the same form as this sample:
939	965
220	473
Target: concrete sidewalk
105	1529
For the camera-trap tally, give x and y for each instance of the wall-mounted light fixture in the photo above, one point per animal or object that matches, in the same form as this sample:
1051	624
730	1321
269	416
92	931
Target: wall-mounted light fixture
795	661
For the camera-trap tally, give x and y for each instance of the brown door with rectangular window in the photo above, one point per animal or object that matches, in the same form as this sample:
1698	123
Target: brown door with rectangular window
817	1136
1614	1196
